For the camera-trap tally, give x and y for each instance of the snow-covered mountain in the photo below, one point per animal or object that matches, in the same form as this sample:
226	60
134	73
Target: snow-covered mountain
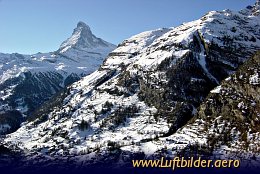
148	88
27	81
83	39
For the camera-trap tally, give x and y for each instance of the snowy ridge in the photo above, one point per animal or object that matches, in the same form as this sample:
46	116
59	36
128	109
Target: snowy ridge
145	90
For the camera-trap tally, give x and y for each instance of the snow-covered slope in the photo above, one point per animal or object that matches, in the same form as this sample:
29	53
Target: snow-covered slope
26	81
145	90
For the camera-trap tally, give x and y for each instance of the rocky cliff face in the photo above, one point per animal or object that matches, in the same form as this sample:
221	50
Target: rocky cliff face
146	89
27	81
232	110
227	122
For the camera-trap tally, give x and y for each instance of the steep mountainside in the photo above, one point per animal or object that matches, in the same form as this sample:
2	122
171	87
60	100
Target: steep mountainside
146	89
227	122
27	81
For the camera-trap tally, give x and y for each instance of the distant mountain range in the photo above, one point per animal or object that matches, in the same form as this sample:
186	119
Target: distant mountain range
27	81
192	89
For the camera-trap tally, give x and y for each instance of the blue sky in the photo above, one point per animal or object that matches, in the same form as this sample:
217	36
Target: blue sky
31	26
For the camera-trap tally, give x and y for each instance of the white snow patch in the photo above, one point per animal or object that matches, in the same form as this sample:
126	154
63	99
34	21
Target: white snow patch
216	90
254	79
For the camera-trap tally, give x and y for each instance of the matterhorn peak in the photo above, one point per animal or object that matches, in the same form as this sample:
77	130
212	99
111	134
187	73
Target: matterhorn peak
82	24
83	28
82	38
